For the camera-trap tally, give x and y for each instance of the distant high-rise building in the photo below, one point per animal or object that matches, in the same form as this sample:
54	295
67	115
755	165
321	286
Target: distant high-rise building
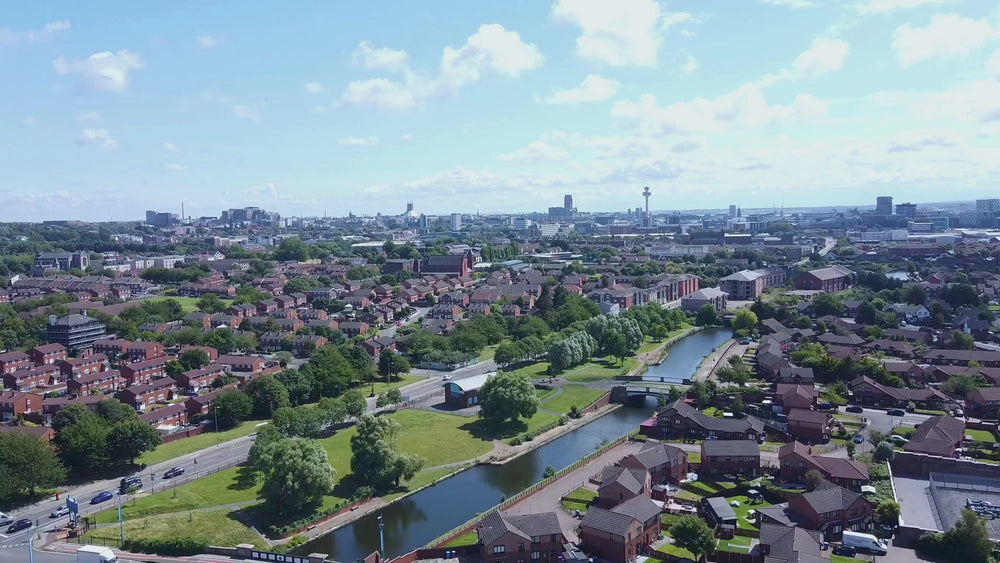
422	222
883	205
568	203
988	205
456	221
908	210
732	211
160	219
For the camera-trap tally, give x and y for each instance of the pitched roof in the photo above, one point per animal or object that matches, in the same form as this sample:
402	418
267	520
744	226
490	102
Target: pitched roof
642	508
604	520
655	454
831	273
730	448
938	435
828	497
807	416
632	479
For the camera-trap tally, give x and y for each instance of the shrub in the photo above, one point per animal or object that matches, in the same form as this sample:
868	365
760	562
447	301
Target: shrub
171	546
563	420
515	441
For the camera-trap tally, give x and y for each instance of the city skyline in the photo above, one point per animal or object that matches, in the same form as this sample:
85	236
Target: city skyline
320	109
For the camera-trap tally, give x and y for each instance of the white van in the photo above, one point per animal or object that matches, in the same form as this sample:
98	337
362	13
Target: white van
865	542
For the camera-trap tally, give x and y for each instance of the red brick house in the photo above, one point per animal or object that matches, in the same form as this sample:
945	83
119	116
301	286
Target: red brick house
112	347
47	354
304	344
142	351
201	403
12	361
43	433
795	459
143	372
832	509
141	396
52	405
102	382
938	435
622	533
834	278
75	367
28	379
354	328
984	402
166	418
792	396
810	426
619	484
243	363
15	403
196	379
520	538
212	353
665	463
737	457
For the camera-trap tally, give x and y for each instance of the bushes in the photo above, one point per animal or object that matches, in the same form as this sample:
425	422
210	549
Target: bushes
172	546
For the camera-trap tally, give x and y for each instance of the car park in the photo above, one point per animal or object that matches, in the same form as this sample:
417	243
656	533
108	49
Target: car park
854	408
22	524
59	511
101	497
173	472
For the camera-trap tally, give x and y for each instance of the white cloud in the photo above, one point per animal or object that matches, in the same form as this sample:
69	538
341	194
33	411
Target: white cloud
89	117
206	41
170	147
380	58
686	146
320	109
313	87
491	49
675	18
11	37
622	33
29	121
537	151
790	3
993	65
244	111
406	137
947	36
174	167
104	71
99	138
825	55
690	65
884	6
369	141
594	88
921	139
743	106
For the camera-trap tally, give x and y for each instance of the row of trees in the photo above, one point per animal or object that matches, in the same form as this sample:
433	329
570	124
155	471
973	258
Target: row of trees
577	348
89	441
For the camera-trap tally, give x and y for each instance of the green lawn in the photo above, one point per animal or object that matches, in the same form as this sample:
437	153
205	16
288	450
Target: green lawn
842	559
579	499
185	446
381	386
688	495
694	457
671	549
597	370
738	544
188	304
544	393
468	538
487	353
742	509
571	395
217	527
981	436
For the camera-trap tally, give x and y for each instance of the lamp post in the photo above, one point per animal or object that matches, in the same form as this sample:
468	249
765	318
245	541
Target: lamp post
381	536
31	555
121	525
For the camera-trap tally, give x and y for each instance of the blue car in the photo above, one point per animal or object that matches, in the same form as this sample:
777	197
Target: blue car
106	495
858	439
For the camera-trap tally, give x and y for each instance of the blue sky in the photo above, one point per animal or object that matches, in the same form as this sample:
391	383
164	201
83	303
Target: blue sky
108	109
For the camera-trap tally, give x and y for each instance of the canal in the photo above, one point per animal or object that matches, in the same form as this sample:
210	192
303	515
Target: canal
686	355
414	521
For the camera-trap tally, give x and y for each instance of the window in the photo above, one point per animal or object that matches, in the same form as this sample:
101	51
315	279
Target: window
520	546
536	539
499	549
554	538
535	555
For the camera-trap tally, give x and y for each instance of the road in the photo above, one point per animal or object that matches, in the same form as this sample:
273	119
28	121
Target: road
879	420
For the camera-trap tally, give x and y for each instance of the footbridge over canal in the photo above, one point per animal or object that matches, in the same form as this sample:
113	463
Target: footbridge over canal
635	391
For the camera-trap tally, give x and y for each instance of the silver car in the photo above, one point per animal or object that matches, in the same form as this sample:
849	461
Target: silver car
61	511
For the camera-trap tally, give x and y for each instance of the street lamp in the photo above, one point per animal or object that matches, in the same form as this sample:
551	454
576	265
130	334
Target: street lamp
381	536
121	525
31	555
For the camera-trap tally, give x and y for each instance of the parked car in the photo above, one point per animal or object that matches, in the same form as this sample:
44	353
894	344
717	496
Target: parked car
106	495
896	412
173	472
899	440
854	408
958	412
60	511
858	439
5	520
22	524
845	551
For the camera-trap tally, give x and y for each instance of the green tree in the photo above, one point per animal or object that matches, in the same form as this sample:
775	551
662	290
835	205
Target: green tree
887	512
211	303
355	403
174	368
259	457
915	295
694	535
960	340
391	364
813	479
300	385
334	410
302	421
267	395
884	452
738	405
389	397
128	439
969	539
26	465
851	449
744	319
292	249
114	411
507	396
298	476
374	460
707	316
330	371
193	358
80	439
827	304
231	408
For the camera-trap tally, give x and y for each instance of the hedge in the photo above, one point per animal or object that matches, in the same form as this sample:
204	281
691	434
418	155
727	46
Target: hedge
170	546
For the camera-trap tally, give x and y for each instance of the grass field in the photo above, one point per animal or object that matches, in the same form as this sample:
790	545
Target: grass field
571	395
487	353
381	386
679	552
738	544
217	527
742	509
981	436
185	446
579	499
468	538
544	393
188	304
597	370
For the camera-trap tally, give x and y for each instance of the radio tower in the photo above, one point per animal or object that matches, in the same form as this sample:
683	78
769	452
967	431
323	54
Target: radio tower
646	193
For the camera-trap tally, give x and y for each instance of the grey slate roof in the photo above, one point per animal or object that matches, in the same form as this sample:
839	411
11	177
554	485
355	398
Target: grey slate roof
631	479
494	525
641	508
604	520
730	448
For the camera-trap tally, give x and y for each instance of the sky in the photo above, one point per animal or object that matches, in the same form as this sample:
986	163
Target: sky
309	108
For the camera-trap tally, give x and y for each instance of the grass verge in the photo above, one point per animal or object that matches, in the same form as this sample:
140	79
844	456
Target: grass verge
204	440
572	395
217	527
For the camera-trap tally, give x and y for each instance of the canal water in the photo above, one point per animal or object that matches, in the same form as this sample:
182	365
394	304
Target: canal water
686	355
416	520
